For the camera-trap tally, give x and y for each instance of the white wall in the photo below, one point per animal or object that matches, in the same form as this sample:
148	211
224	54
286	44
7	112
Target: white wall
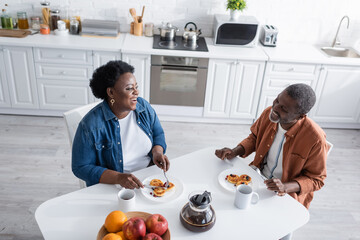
311	21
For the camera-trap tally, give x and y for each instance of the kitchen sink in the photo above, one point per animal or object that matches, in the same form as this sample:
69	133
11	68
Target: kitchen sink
345	52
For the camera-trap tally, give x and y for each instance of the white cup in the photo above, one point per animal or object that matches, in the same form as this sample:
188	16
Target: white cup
126	199
244	196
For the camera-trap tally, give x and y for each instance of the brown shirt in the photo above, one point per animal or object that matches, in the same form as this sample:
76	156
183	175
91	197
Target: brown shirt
304	153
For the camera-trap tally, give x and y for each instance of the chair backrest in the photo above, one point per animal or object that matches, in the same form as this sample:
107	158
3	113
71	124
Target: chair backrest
72	120
330	147
74	116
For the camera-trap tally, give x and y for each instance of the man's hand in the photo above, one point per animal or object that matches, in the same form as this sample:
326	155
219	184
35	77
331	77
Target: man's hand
229	153
127	180
282	188
225	153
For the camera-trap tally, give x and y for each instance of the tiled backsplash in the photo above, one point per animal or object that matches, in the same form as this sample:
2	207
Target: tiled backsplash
310	21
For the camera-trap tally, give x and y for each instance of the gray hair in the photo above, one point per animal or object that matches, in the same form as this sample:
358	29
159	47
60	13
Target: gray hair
304	95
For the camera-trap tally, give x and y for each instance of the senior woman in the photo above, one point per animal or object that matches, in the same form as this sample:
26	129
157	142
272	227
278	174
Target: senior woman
120	135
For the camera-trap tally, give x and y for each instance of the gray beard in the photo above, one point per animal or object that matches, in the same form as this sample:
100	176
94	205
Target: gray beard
272	120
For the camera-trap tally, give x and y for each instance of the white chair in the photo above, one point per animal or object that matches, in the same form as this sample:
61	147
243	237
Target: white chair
330	147
72	119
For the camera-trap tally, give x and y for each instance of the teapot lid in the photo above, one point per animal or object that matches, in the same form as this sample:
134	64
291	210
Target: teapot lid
201	201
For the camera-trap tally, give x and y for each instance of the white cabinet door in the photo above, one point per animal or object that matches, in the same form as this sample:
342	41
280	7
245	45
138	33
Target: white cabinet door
20	73
246	92
103	57
4	90
141	63
279	75
338	97
221	75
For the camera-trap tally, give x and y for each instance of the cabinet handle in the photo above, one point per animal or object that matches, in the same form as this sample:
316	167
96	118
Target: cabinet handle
63	96
61	56
291	69
63	73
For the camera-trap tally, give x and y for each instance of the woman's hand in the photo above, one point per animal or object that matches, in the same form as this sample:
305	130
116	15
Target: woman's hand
128	180
161	161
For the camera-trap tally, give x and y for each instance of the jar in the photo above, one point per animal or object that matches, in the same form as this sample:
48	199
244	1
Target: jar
35	23
44	29
74	26
54	17
45	12
22	20
149	29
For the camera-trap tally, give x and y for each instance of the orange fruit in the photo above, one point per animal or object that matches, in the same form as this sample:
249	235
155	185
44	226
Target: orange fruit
114	221
121	234
112	236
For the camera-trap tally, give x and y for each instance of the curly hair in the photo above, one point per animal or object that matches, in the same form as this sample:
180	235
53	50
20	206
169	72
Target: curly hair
304	95
106	76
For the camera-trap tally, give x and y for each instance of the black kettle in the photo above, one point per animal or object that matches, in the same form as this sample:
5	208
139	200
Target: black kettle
191	35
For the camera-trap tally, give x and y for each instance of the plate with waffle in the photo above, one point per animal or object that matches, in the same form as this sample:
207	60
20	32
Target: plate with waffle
157	191
232	177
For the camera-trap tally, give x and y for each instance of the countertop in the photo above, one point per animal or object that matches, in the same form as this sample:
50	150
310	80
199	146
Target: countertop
130	44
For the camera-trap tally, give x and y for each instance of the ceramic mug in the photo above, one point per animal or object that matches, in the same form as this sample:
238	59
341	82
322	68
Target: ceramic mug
244	196
126	199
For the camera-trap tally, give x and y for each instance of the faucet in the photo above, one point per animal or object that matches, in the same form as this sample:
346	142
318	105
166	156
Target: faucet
336	41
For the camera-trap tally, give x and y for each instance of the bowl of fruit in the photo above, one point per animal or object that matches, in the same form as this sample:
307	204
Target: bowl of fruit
134	226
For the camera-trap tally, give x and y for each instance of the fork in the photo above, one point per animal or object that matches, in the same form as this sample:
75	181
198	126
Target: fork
167	180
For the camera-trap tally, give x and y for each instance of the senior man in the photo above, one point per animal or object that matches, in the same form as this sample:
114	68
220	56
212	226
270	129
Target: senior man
290	148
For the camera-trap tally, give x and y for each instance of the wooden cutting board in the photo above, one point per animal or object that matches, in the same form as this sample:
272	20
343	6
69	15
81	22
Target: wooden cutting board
14	33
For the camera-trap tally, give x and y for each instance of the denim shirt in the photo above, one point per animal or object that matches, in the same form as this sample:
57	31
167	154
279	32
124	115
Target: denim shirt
97	142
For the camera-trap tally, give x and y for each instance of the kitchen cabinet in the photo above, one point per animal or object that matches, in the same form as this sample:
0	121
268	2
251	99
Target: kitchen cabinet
141	63
338	98
102	57
63	78
20	75
4	90
233	88
279	75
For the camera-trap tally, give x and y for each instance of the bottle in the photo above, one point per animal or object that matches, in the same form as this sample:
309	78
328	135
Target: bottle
23	22
3	18
55	16
6	20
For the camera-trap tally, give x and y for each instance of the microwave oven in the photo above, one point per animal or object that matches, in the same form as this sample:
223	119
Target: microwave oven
240	32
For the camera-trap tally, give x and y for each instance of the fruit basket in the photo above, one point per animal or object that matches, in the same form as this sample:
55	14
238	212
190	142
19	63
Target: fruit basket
102	232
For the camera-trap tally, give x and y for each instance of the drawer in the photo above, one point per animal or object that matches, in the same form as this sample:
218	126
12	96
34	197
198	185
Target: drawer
67	56
292	68
279	84
54	71
63	95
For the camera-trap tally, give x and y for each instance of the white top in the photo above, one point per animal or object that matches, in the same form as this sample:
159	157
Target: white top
135	144
80	214
274	159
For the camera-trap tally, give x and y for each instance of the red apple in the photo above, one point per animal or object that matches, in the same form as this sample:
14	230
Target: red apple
156	223
134	228
152	236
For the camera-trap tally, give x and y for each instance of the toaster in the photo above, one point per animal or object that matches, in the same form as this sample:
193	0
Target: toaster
268	35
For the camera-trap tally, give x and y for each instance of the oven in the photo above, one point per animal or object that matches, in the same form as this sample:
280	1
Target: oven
179	81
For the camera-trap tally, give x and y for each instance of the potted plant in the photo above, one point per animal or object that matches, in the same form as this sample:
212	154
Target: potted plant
235	6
